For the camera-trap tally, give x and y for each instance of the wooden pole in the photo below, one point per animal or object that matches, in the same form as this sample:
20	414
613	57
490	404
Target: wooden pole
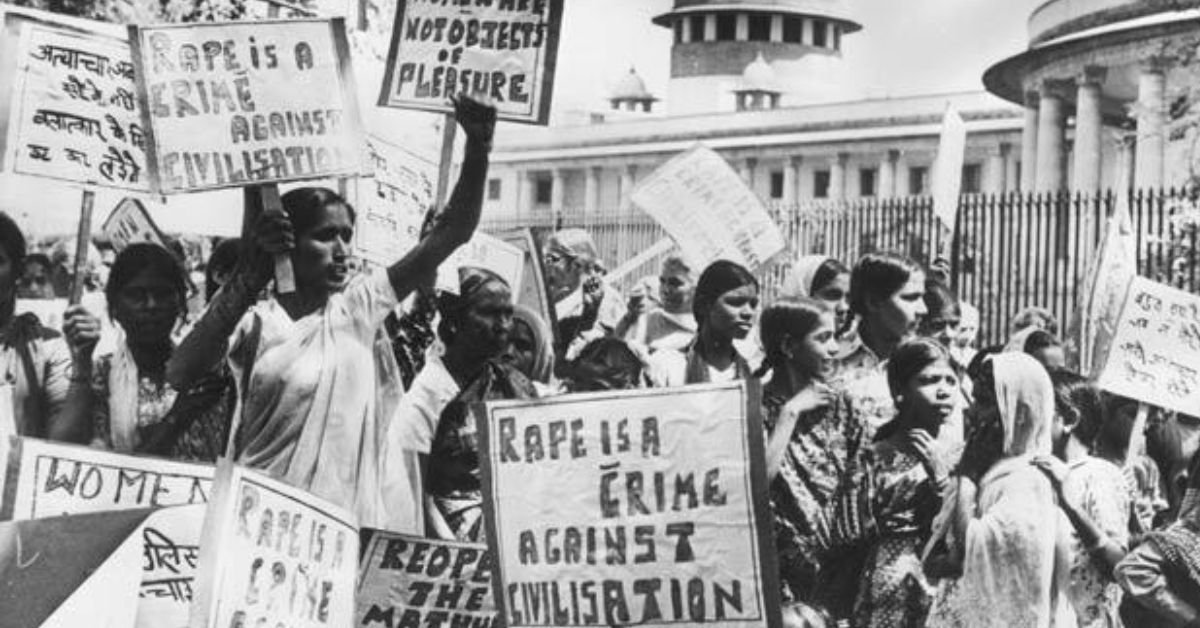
82	238
265	198
446	162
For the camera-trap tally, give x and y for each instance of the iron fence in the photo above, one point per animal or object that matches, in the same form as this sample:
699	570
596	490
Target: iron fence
1014	250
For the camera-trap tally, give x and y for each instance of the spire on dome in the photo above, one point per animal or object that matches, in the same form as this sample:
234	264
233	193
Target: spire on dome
630	93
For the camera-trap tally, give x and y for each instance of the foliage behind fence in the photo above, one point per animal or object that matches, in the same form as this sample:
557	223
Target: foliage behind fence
1015	250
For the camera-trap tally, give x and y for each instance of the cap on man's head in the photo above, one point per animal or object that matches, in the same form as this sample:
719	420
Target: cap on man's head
573	243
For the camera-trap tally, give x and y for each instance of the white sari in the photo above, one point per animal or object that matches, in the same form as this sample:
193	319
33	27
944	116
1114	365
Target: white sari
1016	568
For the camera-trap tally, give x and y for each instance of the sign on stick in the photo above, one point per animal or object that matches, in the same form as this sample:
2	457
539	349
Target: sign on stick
650	509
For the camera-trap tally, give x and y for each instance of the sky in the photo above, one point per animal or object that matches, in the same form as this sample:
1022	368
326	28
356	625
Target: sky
905	47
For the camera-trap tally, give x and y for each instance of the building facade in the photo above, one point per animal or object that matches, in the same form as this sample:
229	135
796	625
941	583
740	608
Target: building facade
756	80
1100	82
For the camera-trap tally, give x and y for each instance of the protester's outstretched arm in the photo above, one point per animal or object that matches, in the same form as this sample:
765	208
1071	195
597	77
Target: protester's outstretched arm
205	345
454	226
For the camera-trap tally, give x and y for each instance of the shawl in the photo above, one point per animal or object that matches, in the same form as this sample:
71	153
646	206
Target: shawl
799	279
123	396
543	340
696	371
1016	567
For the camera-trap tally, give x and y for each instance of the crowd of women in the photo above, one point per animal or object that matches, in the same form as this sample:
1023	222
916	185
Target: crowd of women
914	481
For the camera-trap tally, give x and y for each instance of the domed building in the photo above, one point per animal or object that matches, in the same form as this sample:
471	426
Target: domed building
715	41
763	83
1097	66
630	94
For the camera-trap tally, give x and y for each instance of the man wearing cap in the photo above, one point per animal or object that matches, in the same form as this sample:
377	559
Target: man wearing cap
587	308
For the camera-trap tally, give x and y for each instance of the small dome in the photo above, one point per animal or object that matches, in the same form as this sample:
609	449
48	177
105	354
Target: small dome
631	87
760	76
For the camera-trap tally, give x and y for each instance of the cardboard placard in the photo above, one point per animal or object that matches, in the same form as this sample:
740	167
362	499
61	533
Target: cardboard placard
1155	353
392	205
623	508
484	251
241	103
413	581
128	223
534	293
505	50
65	572
273	554
50	479
709	211
73	114
50	312
170	555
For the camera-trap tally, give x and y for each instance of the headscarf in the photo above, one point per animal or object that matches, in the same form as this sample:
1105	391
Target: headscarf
543	343
799	279
576	243
471	281
720	277
1025	398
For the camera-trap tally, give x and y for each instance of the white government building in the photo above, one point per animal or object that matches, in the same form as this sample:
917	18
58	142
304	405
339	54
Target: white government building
757	80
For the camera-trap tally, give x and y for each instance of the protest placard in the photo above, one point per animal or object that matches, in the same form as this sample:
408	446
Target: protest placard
50	479
239	103
128	223
393	204
72	110
534	293
506	50
1154	356
709	211
650	509
484	251
274	555
414	581
170	555
66	572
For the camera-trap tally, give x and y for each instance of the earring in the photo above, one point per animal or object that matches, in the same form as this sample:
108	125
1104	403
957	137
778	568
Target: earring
899	399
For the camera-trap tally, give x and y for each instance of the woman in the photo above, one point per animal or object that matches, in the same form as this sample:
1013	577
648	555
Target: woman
1161	576
135	410
724	304
303	360
887	298
824	279
673	326
47	376
813	441
475	328
908	471
531	348
1009	538
606	364
1092	493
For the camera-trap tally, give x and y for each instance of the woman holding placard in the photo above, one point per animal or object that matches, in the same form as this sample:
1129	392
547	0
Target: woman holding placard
305	361
134	410
45	378
724	304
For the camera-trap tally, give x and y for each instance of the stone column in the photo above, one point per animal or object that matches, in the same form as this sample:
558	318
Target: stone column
1029	137
887	174
525	198
1151	125
994	172
1011	170
776	28
1089	128
742	27
837	177
591	189
1051	146
628	176
749	171
557	192
686	35
791	180
710	27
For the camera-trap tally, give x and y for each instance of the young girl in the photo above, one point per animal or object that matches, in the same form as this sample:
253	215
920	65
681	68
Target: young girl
813	440
724	304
